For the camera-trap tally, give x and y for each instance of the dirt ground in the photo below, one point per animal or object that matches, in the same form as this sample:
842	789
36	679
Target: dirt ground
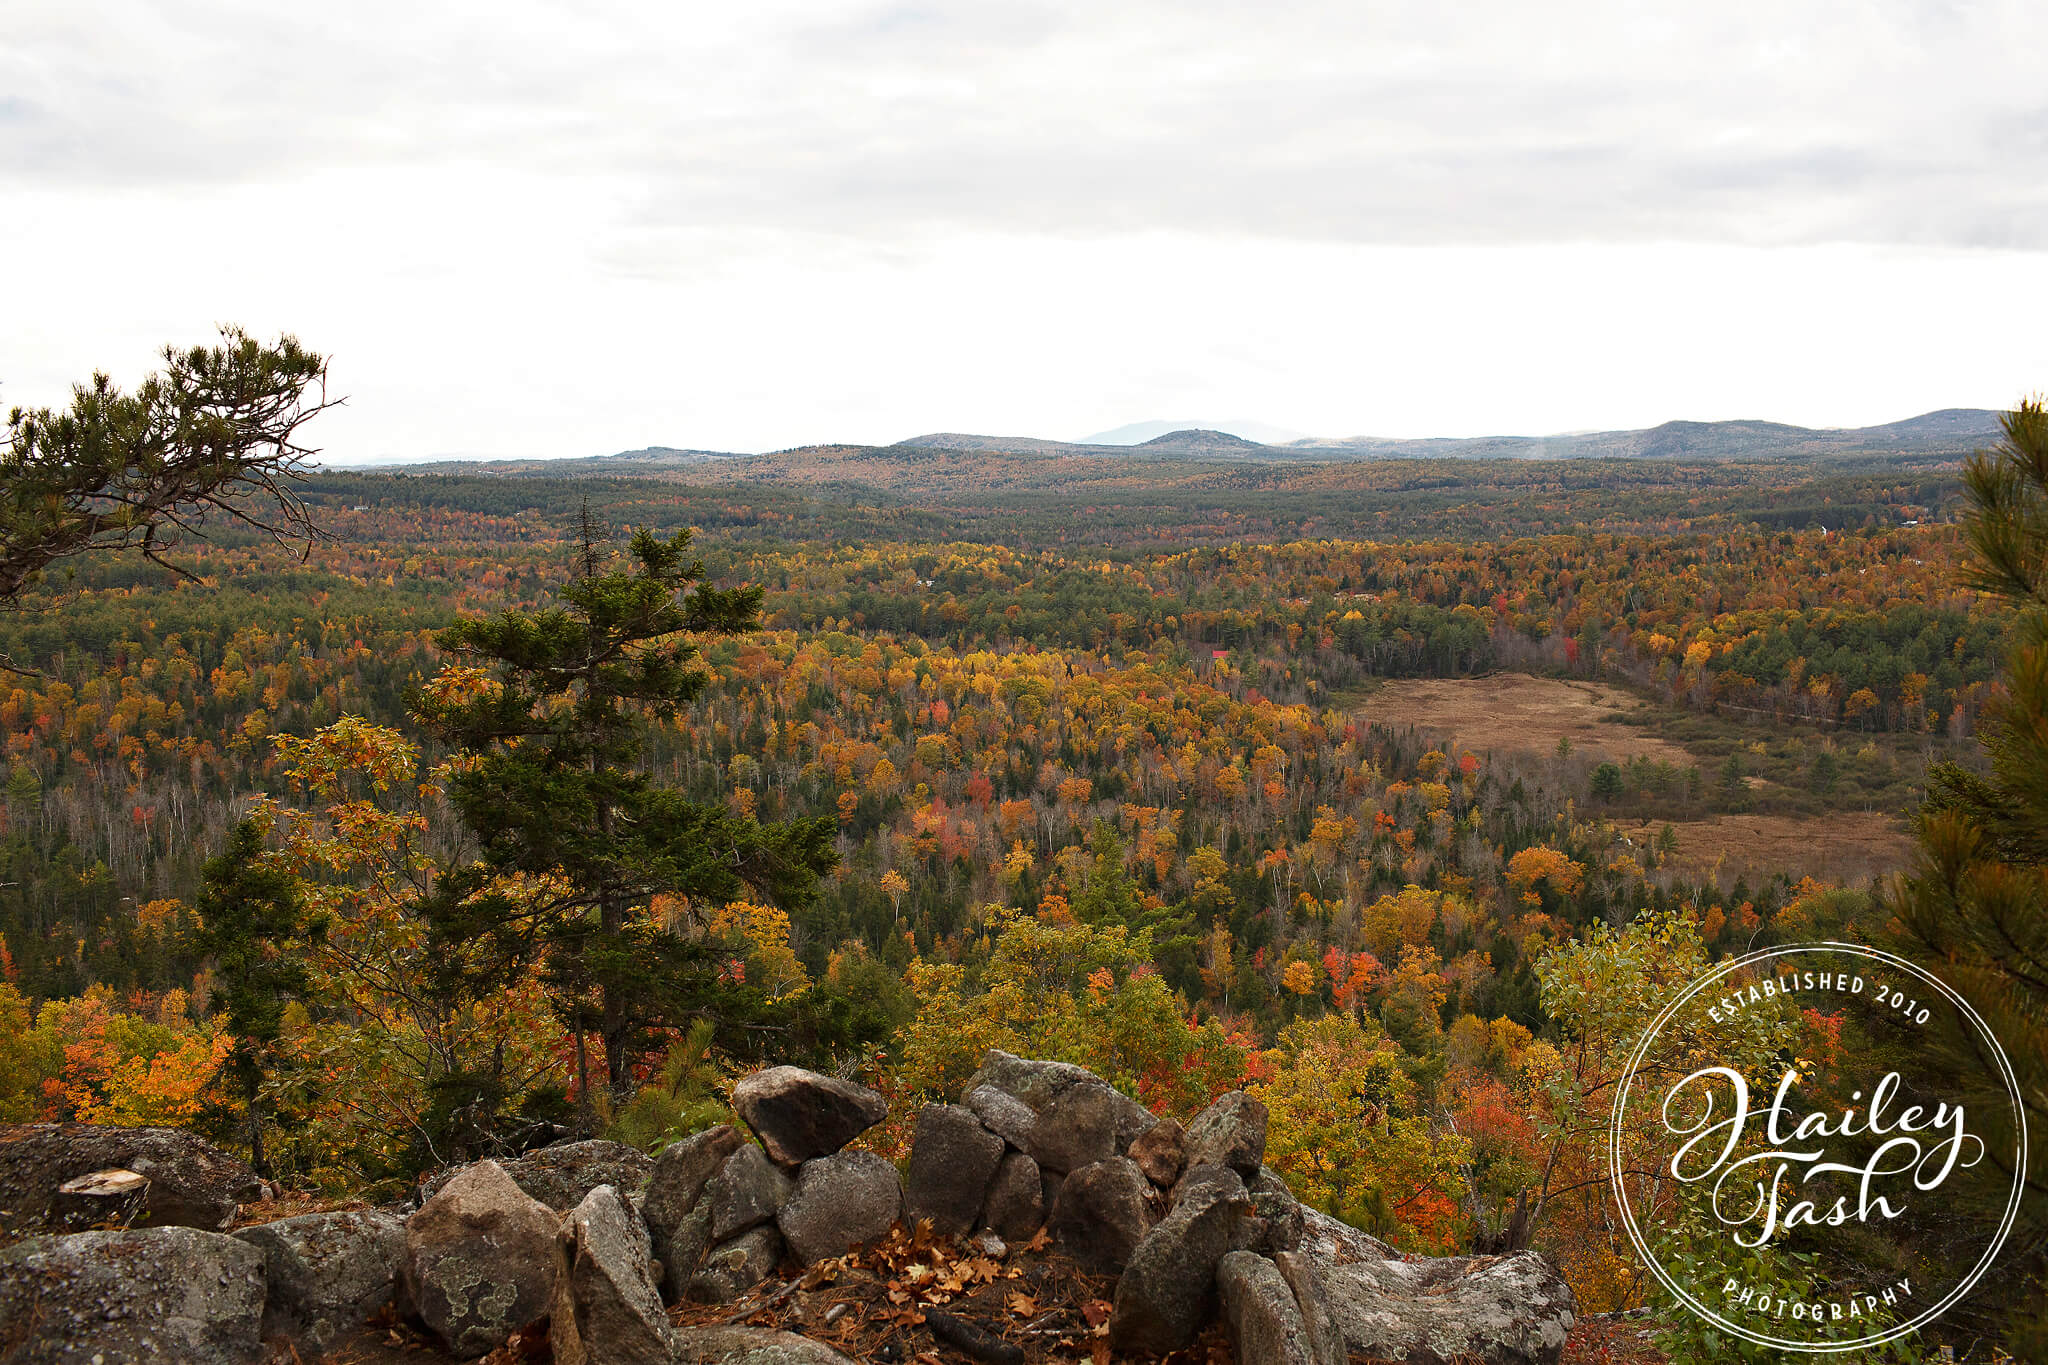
1506	711
1847	847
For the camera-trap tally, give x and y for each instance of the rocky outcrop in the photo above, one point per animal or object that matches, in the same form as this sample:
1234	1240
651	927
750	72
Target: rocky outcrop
606	1309
679	1231
953	1160
1016	1205
1167	1292
192	1183
732	1267
1161	1153
1500	1310
560	1176
1064	1117
1189	1223
1104	1211
840	1202
752	1346
131	1296
479	1260
1231	1132
747	1191
327	1272
799	1114
1265	1320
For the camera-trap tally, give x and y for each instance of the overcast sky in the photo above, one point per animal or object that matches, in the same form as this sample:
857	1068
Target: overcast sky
538	229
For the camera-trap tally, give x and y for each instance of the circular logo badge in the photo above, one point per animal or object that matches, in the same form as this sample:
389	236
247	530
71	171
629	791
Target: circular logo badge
1776	1105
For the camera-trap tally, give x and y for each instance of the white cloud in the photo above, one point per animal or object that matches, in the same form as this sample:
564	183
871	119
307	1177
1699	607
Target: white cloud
541	229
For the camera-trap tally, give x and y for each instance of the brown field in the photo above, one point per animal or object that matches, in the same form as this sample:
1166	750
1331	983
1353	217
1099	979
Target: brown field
1509	711
1849	847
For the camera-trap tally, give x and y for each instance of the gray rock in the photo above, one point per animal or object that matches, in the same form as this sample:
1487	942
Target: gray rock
327	1272
1081	1123
1231	1132
1198	1179
840	1202
131	1296
799	1114
1102	1215
1318	1316
1002	1114
1280	1223
192	1183
688	1241
1161	1153
1331	1239
1077	1127
673	1189
731	1268
1016	1205
1500	1310
1168	1291
606	1310
1265	1321
953	1159
560	1176
479	1260
746	1192
752	1346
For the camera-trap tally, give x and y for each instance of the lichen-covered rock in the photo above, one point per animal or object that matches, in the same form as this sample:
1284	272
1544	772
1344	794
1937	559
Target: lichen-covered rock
327	1272
752	1346
1015	1208
840	1202
733	1267
131	1296
1231	1132
953	1159
1102	1214
1167	1292
560	1176
479	1260
1500	1310
606	1309
1265	1320
1332	1239
681	1169
1318	1315
1161	1153
688	1242
192	1183
747	1191
799	1114
1279	1223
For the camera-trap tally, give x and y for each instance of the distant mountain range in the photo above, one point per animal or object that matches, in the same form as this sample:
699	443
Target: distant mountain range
1956	429
1950	432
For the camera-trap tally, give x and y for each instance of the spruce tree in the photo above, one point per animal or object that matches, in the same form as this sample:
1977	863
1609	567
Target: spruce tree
575	838
254	925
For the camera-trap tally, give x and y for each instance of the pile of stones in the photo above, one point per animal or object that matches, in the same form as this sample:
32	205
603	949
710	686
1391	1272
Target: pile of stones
597	1237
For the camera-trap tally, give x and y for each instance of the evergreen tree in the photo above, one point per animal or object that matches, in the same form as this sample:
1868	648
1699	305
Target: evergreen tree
575	840
254	925
1974	906
216	434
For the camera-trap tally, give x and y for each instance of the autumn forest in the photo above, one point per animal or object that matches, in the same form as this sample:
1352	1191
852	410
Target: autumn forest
1186	771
